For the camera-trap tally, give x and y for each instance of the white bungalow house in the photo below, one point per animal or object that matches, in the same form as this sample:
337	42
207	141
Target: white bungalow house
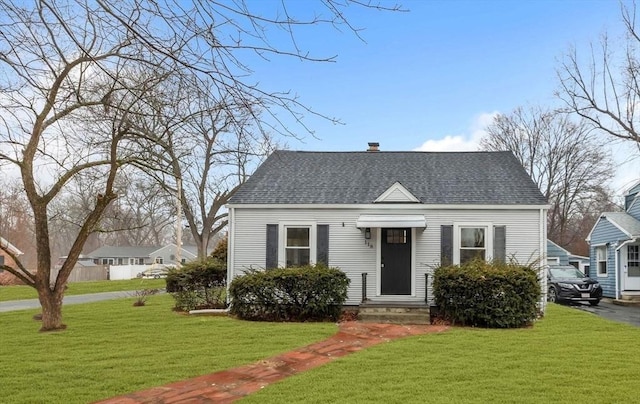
386	219
614	244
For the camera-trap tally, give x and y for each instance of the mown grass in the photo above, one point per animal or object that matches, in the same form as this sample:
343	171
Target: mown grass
568	356
112	348
20	292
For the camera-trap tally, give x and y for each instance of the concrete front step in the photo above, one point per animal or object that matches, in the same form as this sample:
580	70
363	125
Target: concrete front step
631	297
626	302
393	310
395	317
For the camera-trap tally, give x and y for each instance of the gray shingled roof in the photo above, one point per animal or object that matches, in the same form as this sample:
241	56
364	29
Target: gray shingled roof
297	177
624	220
122	252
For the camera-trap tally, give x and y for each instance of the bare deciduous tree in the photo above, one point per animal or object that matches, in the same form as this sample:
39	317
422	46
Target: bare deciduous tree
210	145
563	157
604	87
66	92
76	73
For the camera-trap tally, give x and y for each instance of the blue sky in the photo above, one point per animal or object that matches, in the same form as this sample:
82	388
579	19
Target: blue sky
430	78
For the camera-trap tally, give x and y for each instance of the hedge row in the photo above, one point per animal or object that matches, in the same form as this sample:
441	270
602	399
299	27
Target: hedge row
198	285
486	294
291	294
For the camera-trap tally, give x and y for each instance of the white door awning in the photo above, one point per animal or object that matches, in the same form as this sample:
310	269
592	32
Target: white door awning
387	221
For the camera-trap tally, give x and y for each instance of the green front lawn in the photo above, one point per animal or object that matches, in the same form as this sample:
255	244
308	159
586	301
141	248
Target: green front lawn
111	348
570	356
81	288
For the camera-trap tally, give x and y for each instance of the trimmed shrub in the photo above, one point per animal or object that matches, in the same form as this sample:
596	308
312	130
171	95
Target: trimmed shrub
198	285
220	252
485	294
290	294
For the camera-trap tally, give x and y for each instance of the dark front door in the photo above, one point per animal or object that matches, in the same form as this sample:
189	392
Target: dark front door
395	254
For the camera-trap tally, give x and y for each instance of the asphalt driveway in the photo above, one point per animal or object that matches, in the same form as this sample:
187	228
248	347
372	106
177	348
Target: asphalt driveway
608	310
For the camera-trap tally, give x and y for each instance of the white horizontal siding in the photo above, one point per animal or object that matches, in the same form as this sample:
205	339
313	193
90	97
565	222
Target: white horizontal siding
349	251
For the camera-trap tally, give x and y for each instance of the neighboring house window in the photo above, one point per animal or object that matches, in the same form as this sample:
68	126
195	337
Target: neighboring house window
132	261
298	246
120	261
553	261
472	243
183	260
159	260
633	260
601	257
140	261
107	261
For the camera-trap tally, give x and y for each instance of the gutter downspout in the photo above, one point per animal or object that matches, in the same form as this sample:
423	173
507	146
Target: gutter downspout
616	261
230	249
543	254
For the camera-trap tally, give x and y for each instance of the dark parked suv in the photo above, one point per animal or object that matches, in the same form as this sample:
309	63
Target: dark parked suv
569	284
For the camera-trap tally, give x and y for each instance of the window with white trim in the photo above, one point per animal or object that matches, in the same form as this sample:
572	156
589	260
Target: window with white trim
601	260
633	260
297	246
473	243
159	260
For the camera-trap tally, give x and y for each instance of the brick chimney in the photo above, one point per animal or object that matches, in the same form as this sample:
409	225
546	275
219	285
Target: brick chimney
373	147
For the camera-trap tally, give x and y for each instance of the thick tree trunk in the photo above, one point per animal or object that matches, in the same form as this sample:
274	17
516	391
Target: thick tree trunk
51	302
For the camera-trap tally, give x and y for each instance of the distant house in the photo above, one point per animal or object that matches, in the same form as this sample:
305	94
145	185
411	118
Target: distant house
386	218
110	255
558	256
5	259
614	244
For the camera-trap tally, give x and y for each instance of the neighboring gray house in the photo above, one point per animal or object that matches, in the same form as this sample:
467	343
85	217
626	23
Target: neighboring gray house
109	255
558	256
387	219
614	244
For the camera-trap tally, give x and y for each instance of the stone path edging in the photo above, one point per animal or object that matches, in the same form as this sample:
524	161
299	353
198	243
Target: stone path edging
230	385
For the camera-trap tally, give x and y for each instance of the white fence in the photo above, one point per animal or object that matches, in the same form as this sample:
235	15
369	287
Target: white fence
119	272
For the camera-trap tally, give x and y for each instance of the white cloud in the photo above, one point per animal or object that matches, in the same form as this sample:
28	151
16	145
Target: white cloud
463	142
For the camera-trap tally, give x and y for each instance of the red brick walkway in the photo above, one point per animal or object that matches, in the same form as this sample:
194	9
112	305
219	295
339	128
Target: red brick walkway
230	385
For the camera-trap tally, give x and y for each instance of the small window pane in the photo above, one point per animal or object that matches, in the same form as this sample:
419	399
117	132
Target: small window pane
297	257
297	237
469	255
472	237
396	236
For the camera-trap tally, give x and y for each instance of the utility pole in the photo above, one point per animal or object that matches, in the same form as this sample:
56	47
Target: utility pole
179	221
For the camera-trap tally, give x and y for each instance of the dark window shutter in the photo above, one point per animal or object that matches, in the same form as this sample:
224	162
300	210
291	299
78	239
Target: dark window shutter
323	244
446	245
272	246
500	243
1	259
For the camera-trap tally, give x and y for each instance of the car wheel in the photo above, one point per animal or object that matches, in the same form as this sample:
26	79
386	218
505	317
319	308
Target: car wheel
156	276
594	302
552	296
